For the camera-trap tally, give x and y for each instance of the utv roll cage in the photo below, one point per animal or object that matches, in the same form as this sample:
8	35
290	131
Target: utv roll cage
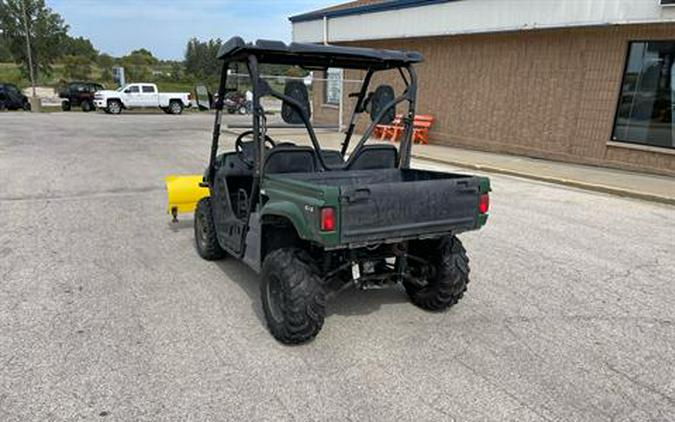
314	57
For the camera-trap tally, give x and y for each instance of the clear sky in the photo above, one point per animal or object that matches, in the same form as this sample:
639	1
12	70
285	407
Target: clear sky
163	26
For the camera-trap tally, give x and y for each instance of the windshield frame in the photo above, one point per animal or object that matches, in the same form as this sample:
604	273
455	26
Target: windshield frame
262	89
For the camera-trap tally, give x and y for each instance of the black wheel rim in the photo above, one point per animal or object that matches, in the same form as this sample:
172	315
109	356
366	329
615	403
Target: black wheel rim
422	274
274	299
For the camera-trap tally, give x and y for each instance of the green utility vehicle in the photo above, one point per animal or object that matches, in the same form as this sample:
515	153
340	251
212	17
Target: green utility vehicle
314	221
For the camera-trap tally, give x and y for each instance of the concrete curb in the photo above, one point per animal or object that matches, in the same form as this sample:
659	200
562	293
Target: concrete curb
613	190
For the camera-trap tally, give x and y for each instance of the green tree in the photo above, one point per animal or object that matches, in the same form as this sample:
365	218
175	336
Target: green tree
46	30
138	65
177	71
105	61
5	54
77	66
79	46
201	61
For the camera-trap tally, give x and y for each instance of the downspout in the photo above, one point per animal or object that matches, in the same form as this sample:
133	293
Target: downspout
325	30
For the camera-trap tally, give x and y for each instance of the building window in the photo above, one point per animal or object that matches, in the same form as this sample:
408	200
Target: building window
646	109
332	87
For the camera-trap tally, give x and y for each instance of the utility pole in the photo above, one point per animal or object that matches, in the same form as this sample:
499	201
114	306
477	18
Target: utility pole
28	50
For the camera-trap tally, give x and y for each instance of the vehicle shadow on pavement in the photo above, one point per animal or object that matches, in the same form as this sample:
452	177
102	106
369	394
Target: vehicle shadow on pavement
176	226
363	302
349	302
249	282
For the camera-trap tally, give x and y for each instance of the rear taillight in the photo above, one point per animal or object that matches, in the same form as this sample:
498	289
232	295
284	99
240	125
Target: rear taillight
189	97
327	219
483	203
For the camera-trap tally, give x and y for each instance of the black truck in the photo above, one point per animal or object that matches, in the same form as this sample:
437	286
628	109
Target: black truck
79	94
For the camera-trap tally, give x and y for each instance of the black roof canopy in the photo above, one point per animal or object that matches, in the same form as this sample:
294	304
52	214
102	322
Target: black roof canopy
317	55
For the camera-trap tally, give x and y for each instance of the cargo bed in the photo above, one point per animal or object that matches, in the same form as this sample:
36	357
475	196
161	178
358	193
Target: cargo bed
386	205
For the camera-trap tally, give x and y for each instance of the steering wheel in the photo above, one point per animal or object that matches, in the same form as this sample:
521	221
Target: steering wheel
244	148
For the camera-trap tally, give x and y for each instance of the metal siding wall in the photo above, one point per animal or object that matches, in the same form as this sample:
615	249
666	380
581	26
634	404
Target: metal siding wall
308	31
482	16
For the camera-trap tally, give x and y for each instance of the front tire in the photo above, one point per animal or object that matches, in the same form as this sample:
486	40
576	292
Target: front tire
114	107
446	274
65	106
87	106
293	299
206	239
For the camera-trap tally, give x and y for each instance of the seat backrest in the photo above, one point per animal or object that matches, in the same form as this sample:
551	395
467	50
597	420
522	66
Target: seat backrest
372	157
332	158
298	91
289	159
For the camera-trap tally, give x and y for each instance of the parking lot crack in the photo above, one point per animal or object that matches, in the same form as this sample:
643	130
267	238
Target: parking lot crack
641	384
506	392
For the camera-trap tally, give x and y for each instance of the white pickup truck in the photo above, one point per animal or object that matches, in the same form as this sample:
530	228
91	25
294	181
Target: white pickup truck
141	95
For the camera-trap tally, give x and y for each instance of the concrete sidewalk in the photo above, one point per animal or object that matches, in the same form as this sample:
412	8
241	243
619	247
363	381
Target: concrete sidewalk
618	182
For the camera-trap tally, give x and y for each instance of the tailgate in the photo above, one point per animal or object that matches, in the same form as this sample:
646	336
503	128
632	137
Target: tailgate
388	211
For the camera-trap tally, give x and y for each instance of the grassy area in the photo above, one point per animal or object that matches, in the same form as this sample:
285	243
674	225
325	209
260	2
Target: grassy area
10	73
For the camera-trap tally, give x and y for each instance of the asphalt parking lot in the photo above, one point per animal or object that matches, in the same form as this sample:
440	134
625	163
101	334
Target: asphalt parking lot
107	312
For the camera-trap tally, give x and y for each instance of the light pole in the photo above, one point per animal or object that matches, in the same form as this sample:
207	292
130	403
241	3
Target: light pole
28	50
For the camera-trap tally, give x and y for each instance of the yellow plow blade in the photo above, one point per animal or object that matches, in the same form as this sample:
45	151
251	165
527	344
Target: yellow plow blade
183	192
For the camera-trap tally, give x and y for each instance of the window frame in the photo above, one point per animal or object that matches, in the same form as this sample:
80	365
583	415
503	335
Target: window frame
613	137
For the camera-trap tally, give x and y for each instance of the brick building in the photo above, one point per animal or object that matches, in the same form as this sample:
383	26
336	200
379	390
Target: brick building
584	81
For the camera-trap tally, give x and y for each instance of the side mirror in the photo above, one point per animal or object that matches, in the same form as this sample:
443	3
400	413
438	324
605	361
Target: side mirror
127	91
298	91
383	95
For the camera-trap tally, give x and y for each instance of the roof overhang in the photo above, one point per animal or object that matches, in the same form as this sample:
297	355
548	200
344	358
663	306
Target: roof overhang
427	18
366	8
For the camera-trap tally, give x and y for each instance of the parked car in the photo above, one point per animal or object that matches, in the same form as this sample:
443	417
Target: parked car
11	98
79	94
141	95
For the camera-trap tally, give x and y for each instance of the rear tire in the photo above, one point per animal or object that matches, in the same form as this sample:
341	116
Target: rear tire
293	299
87	106
206	239
446	274
242	110
175	107
26	106
114	107
65	106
